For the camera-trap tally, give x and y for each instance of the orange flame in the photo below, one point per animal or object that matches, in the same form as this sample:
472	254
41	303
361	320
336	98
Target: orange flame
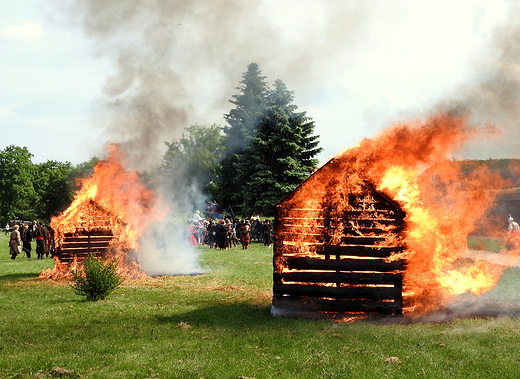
411	164
130	207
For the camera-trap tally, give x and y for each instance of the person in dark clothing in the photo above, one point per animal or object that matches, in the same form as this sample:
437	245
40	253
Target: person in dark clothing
26	237
41	236
221	234
268	233
212	234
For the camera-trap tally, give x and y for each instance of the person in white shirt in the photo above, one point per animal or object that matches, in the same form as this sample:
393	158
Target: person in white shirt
196	216
513	225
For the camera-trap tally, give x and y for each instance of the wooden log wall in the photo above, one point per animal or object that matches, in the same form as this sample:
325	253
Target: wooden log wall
80	245
331	259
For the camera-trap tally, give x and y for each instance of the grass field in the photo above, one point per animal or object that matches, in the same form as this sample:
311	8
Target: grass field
218	325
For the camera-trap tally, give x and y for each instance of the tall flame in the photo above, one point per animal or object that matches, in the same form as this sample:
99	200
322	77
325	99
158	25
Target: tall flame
443	205
128	203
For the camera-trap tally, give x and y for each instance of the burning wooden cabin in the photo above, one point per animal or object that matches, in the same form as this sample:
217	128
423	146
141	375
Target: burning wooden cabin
91	231
336	240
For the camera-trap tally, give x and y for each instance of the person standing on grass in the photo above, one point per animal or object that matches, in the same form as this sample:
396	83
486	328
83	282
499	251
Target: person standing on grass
221	234
41	235
268	233
26	236
6	228
14	242
245	235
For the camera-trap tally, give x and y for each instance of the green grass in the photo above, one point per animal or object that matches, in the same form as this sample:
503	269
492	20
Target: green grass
494	244
218	325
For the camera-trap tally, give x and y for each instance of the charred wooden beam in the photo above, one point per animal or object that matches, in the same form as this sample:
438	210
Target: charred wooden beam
360	251
378	265
341	306
383	214
340	293
339	277
80	250
86	233
360	240
77	245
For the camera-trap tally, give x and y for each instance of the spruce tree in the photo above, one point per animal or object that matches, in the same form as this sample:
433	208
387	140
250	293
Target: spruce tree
243	123
280	157
249	105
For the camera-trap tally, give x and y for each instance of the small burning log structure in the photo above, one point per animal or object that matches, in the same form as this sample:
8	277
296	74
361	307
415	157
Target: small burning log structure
108	215
92	233
334	240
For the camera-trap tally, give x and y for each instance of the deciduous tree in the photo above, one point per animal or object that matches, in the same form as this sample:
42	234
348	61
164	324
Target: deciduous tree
17	195
53	185
191	160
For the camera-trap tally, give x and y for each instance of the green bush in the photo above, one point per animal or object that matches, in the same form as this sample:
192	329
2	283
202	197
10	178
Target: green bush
97	279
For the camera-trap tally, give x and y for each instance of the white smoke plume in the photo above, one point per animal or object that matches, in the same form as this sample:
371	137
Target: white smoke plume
177	63
491	94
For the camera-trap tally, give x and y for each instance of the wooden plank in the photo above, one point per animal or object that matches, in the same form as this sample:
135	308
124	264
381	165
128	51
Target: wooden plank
296	304
351	231
378	265
371	205
370	214
339	293
355	240
339	277
360	251
77	245
347	230
80	251
369	223
89	233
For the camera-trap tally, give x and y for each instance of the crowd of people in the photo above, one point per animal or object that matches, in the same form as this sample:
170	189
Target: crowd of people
217	233
22	237
226	233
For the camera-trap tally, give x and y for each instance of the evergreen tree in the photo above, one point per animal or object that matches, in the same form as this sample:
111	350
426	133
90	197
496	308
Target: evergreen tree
280	157
243	123
249	105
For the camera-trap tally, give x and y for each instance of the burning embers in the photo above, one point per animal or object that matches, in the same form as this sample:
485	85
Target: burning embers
382	227
108	215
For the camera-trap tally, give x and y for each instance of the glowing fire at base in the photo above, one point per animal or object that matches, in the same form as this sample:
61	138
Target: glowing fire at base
129	208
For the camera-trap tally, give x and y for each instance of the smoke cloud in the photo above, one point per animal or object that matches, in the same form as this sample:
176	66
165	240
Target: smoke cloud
177	63
492	94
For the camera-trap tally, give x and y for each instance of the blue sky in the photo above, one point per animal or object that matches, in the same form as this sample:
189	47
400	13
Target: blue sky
355	68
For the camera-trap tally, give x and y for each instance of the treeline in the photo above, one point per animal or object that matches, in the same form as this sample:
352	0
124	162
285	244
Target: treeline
266	149
30	191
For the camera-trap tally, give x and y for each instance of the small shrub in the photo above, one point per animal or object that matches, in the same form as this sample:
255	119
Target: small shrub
97	279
